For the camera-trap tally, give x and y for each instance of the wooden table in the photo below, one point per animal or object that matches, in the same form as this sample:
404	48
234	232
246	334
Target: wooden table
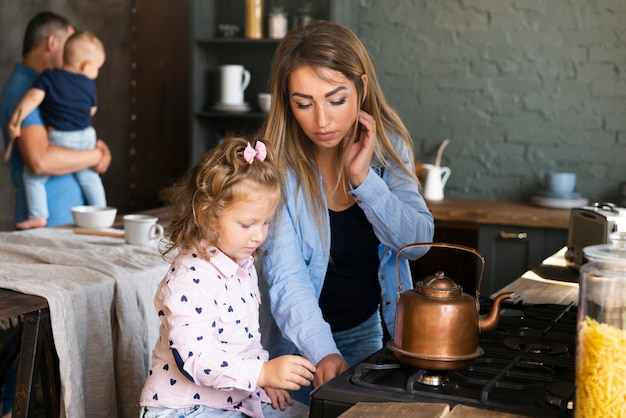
100	294
35	353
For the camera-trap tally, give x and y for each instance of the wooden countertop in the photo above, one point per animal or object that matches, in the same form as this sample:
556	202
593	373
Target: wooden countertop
491	212
421	409
494	212
550	282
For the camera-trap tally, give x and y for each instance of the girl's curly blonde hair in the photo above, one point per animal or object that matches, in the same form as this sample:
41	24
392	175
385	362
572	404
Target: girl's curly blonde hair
218	180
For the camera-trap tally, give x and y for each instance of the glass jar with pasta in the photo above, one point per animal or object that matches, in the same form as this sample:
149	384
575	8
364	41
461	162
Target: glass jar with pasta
601	342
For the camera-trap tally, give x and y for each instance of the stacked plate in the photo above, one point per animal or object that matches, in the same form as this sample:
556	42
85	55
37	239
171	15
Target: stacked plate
226	107
550	199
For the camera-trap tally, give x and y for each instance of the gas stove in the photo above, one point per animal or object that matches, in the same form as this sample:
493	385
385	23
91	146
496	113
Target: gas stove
527	368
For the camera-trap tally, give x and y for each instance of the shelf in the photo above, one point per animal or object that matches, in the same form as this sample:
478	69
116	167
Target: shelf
211	114
209	51
237	41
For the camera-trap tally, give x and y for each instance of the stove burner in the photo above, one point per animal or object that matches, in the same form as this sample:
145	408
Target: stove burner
557	392
431	381
432	378
535	345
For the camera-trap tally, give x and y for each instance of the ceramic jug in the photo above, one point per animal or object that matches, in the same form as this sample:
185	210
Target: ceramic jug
234	80
436	178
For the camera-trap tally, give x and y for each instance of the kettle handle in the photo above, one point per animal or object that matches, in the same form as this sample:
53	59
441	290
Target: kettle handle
444	245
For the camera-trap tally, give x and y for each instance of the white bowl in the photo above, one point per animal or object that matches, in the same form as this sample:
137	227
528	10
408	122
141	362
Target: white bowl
94	217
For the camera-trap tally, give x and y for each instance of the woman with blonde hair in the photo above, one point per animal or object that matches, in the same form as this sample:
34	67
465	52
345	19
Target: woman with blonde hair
351	202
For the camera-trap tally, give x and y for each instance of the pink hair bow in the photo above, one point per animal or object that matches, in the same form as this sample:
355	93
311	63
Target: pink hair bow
259	151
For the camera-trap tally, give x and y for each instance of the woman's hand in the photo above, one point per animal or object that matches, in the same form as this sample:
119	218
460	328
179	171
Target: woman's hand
329	367
361	151
280	398
286	372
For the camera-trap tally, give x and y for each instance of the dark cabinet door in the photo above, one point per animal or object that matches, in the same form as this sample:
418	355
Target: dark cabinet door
460	266
510	251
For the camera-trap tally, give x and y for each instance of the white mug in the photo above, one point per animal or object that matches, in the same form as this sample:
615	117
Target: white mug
141	229
234	80
436	178
265	101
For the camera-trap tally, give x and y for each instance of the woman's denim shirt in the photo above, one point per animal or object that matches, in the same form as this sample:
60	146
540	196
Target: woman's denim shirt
295	257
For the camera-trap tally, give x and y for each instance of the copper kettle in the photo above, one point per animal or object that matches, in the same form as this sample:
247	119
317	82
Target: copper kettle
437	325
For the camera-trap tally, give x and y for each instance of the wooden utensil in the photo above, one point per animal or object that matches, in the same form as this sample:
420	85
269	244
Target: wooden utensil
7	152
100	232
440	151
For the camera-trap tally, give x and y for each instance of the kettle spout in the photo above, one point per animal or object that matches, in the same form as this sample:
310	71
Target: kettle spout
489	322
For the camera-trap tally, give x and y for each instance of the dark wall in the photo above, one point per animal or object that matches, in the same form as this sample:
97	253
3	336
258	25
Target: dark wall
159	101
519	87
142	90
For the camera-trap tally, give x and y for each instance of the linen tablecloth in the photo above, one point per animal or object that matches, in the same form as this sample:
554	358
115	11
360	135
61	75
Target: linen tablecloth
100	292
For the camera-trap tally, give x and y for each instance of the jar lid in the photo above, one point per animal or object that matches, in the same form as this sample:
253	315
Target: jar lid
614	252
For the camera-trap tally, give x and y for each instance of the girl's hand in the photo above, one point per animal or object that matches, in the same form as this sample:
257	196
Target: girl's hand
361	151
286	372
280	398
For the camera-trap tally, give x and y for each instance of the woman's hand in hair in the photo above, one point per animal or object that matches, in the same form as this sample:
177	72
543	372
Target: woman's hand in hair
361	151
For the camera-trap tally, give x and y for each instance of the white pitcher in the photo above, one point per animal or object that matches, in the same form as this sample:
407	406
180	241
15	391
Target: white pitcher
436	178
234	80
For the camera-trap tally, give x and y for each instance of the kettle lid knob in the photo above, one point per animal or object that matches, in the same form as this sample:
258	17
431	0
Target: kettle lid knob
439	286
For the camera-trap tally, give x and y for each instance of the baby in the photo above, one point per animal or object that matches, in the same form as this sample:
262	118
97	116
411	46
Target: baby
67	100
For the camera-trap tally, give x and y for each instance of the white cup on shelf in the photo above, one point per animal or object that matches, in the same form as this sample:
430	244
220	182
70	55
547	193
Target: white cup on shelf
265	101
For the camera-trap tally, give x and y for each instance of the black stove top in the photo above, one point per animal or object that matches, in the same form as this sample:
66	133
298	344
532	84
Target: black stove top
527	368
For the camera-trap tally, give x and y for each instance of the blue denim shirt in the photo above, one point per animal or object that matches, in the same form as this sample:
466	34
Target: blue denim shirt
63	191
294	259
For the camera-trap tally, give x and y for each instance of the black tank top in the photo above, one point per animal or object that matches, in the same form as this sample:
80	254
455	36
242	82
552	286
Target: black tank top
351	291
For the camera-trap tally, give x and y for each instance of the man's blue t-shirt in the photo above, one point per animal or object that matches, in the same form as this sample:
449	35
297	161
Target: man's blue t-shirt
63	191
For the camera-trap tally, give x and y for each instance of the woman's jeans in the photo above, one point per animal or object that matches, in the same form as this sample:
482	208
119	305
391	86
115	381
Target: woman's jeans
354	344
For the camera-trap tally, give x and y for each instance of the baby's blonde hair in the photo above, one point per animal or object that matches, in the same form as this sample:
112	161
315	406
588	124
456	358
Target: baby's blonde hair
220	179
80	46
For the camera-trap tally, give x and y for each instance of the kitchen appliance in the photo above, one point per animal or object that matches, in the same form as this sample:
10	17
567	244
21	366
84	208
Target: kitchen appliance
437	325
592	225
528	368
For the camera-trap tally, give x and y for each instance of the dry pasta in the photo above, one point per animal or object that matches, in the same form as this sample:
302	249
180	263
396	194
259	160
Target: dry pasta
600	371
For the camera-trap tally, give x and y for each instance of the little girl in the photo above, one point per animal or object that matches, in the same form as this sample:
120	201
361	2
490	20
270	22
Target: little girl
208	360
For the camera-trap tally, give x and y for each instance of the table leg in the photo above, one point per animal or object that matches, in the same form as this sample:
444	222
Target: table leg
36	345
